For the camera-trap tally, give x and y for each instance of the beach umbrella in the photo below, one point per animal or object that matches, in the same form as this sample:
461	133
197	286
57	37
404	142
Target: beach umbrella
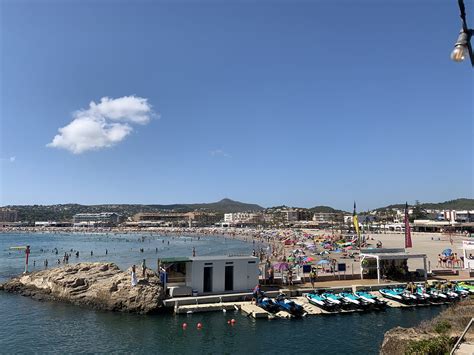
281	266
447	252
323	262
291	258
308	259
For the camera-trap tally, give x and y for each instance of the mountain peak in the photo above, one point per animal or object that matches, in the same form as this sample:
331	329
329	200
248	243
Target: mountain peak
226	200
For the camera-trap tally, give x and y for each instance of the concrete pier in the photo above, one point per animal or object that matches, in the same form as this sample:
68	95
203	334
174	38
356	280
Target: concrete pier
250	309
208	307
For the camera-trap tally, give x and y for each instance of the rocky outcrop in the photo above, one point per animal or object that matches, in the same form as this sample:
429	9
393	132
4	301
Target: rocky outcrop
449	323
98	285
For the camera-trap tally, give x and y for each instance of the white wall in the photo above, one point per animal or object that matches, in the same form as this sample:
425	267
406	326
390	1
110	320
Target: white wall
245	274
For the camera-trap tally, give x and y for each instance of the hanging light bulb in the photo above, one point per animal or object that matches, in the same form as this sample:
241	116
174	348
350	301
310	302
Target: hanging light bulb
460	48
459	53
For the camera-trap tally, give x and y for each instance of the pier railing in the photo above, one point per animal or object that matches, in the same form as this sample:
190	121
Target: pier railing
461	337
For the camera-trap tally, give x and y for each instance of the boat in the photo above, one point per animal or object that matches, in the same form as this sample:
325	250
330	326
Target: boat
290	306
371	299
268	304
399	294
318	301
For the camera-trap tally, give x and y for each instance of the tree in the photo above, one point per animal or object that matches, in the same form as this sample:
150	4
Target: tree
418	211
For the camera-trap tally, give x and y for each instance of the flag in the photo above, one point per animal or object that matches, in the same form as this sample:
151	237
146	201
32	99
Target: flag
407	228
355	221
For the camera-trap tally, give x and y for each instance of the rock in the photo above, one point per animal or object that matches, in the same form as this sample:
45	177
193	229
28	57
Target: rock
457	316
98	285
396	340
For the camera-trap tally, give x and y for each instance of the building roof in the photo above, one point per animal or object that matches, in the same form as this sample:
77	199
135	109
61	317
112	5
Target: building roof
393	256
180	259
177	259
222	257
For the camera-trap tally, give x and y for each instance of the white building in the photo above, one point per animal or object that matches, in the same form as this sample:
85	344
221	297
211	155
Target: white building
210	274
45	224
243	217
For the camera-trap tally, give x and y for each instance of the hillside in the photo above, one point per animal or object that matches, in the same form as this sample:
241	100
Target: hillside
65	212
458	204
325	209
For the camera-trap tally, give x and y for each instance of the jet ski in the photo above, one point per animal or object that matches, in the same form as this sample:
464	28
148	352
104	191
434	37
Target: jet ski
371	299
318	301
268	304
354	300
289	306
399	295
467	286
338	300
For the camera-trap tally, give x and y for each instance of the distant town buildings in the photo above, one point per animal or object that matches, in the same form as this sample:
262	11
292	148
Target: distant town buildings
103	219
176	219
8	215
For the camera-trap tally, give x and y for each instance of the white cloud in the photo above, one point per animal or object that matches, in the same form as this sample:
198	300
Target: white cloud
12	159
103	124
220	152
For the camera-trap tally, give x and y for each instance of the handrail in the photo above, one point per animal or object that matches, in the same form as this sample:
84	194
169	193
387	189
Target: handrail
461	337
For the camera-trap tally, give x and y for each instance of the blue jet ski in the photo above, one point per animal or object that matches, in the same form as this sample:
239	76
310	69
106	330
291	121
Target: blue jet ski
268	304
289	306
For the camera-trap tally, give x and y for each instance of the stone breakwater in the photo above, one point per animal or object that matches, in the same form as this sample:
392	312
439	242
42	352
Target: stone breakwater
100	286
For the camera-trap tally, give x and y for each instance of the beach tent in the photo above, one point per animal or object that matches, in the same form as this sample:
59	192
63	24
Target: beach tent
323	262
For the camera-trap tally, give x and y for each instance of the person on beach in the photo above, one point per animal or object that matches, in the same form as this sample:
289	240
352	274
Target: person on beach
194	251
134	276
46	263
144	268
312	277
257	293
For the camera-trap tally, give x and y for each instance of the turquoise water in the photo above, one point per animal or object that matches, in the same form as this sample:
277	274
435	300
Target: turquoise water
31	326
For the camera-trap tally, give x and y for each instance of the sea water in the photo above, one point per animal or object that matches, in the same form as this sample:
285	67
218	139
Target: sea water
32	326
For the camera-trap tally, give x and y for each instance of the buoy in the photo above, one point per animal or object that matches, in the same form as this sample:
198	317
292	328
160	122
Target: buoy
232	321
185	325
199	325
228	322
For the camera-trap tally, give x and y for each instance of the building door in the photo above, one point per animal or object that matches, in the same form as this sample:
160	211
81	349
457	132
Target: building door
229	278
207	279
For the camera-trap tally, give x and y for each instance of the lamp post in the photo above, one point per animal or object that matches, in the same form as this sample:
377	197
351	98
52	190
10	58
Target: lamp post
462	47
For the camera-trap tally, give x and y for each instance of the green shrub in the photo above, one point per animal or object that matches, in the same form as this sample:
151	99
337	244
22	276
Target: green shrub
435	346
442	327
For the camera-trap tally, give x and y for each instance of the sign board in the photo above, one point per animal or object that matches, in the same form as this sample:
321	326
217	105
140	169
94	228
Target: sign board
341	267
306	269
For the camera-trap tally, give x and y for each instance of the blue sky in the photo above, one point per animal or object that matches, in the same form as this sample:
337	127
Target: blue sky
287	102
